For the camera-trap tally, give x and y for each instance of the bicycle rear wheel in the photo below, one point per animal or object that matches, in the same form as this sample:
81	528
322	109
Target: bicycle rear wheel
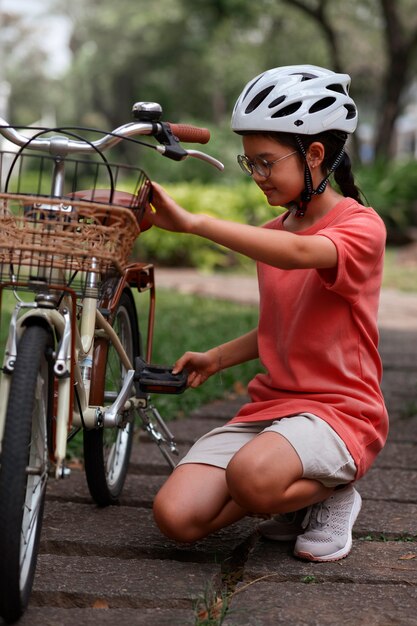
24	469
107	450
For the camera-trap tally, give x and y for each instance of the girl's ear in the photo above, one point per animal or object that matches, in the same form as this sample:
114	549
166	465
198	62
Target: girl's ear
315	154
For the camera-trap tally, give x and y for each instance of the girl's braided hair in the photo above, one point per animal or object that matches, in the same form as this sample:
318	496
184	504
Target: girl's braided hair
333	142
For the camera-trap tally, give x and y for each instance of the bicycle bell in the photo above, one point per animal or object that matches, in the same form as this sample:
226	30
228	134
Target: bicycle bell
147	111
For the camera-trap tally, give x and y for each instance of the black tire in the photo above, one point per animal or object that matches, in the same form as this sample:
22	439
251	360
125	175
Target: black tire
22	492
107	451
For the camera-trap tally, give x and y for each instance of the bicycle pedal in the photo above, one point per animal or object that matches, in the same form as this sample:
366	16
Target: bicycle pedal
158	379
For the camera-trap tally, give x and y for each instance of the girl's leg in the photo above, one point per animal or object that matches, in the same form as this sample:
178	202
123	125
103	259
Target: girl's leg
194	502
265	476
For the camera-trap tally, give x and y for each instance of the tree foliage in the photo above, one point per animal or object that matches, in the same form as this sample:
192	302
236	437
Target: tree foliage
23	67
194	56
397	23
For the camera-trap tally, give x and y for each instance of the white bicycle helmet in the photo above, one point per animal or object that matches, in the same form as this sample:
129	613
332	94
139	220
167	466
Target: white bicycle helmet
301	99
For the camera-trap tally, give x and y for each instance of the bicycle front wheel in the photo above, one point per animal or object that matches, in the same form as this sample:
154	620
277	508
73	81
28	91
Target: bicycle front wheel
107	450
24	469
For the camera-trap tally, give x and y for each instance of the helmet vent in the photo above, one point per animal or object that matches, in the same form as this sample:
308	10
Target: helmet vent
288	110
337	87
305	76
322	104
351	111
258	99
276	102
252	85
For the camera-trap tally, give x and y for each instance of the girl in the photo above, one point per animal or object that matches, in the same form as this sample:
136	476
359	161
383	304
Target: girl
317	418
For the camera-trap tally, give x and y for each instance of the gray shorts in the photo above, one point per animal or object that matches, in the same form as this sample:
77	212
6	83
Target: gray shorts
323	454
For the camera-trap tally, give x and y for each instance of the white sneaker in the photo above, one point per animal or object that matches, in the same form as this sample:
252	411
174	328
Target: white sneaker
328	534
283	527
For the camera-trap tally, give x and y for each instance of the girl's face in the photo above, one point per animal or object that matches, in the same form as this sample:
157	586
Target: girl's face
286	180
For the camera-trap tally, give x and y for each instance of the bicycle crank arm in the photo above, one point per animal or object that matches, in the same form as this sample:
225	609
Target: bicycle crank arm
111	415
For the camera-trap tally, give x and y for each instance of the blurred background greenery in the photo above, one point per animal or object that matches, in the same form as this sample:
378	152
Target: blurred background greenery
85	62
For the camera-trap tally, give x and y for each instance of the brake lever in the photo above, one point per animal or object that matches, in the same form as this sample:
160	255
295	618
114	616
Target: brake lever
172	149
169	152
197	154
170	145
176	153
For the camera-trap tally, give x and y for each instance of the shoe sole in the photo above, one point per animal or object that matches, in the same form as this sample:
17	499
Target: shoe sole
343	552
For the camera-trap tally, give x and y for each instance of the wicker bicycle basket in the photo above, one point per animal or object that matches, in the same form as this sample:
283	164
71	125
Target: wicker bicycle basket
56	241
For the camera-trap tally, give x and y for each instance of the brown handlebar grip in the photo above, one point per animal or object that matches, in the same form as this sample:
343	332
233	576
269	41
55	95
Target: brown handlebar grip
188	133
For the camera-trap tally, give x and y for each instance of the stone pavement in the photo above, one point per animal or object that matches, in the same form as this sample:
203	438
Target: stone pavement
113	566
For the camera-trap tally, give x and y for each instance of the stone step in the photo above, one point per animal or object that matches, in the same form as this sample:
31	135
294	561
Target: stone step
387	520
403	430
139	489
74	529
398	456
57	616
369	562
393	485
274	603
82	581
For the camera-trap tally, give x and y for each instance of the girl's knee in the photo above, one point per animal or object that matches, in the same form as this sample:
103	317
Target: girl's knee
261	475
166	518
252	486
175	523
246	488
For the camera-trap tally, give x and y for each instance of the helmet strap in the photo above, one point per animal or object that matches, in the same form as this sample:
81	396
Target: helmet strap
309	191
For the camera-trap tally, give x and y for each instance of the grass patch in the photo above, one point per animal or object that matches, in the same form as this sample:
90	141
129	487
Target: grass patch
189	322
399	274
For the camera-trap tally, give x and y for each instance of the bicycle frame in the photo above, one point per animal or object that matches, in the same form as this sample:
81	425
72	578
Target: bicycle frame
80	360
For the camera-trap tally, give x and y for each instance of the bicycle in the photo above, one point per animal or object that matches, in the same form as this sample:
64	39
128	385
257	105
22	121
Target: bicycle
73	357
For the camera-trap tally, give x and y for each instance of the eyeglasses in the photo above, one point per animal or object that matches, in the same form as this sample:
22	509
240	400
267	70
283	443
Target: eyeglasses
261	166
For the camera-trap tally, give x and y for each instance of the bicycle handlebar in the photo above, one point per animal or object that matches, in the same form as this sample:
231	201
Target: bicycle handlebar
167	134
191	134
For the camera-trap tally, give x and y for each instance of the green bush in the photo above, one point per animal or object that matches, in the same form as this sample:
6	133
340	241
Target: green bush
241	202
391	189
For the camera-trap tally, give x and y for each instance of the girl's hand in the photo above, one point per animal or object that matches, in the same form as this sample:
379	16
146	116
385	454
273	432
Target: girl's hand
166	213
201	365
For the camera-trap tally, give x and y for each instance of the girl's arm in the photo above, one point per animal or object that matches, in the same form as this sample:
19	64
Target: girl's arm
275	247
202	365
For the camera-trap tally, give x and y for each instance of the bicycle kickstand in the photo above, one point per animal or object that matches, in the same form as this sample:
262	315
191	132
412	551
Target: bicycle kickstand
154	425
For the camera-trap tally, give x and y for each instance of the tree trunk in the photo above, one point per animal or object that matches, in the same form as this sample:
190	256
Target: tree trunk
390	109
400	49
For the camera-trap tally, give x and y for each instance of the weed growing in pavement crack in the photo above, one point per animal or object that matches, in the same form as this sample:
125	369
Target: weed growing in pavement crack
383	538
211	608
309	579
